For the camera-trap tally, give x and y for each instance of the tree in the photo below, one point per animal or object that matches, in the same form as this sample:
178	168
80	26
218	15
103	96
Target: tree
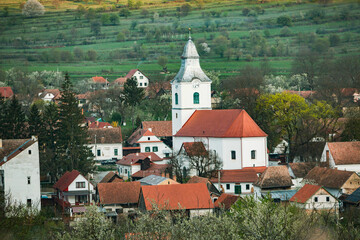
162	61
35	122
352	127
220	44
33	8
184	10
95	27
133	95
114	19
91	55
13	124
284	21
71	145
125	12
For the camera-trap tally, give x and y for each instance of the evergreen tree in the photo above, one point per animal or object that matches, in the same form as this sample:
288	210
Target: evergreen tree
13	125
72	139
2	117
35	122
132	95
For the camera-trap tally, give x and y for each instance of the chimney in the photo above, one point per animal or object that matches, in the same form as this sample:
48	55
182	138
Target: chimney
1	144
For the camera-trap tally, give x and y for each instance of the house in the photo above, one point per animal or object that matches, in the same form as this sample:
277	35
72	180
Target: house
20	171
83	99
298	171
111	177
214	192
163	170
73	189
156	180
106	143
342	155
272	179
6	92
315	197
239	181
225	201
335	181
50	95
119	81
118	196
161	129
353	200
135	162
142	80
232	133
148	142
193	198
100	83
98	124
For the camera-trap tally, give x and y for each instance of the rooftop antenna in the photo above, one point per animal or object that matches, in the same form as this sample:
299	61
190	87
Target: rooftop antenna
189	33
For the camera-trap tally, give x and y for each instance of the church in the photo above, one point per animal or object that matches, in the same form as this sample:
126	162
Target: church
231	133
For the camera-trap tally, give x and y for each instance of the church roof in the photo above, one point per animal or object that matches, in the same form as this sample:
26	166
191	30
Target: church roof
228	123
190	65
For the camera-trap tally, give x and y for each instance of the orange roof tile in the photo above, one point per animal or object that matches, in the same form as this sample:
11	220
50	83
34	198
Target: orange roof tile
327	177
105	135
236	176
306	192
274	177
148	133
221	123
133	158
97	124
120	81
177	196
131	73
159	128
97	79
345	152
6	92
154	169
119	192
194	149
226	201
63	183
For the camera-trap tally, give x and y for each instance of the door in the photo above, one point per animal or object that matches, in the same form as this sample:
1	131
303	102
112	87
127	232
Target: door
238	189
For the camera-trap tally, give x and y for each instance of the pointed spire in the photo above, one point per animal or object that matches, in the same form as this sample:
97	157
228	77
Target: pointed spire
189	33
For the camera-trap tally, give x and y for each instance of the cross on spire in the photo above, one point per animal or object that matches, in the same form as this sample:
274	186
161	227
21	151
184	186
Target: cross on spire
189	33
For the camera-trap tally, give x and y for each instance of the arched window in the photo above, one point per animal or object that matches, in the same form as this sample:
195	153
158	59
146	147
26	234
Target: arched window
176	98
196	98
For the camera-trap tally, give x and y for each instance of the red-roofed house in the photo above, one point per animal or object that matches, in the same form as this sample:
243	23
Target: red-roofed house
50	95
74	189
98	124
342	155
194	198
225	201
6	92
100	82
313	197
148	142
142	80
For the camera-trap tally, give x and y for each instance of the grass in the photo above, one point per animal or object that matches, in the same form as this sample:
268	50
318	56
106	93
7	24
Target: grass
24	40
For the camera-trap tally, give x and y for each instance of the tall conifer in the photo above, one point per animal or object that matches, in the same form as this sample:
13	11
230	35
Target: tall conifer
14	120
35	122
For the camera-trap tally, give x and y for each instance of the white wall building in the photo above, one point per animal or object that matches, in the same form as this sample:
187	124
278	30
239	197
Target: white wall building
106	143
342	155
142	80
236	138
20	171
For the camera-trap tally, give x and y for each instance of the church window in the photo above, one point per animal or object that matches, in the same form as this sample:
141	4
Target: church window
196	98
253	154
233	155
176	98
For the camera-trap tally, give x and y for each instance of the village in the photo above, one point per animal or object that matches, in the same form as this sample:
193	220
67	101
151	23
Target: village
202	161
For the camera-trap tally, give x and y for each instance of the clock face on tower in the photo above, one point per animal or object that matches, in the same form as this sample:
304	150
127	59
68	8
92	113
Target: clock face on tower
196	83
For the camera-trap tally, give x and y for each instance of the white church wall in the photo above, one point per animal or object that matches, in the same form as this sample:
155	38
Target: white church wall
257	144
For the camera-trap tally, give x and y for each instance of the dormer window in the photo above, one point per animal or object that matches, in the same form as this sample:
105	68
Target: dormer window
196	98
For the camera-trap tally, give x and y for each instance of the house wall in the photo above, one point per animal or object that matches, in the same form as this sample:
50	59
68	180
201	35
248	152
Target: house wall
201	212
168	181
297	182
48	97
142	80
125	171
323	156
162	148
349	167
16	173
232	187
321	203
80	178
351	184
107	151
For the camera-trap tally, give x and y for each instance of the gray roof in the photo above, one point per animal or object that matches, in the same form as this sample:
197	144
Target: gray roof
283	195
152	180
354	197
190	65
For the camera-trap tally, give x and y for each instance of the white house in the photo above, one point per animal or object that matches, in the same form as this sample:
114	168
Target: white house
232	133
342	155
141	79
74	189
20	171
315	197
148	142
106	143
50	95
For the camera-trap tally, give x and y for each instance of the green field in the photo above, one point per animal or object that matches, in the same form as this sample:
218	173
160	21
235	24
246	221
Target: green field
39	43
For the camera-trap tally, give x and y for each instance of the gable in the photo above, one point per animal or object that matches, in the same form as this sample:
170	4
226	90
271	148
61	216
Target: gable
345	152
12	147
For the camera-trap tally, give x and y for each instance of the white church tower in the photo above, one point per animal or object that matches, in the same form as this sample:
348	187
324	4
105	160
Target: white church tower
191	88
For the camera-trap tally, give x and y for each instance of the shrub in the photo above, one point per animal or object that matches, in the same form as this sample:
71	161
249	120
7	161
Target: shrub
33	8
284	21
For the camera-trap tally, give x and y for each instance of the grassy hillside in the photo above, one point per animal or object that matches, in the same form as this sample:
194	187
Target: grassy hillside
62	38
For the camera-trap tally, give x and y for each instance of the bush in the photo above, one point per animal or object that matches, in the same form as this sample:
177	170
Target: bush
334	40
120	37
33	8
285	32
284	21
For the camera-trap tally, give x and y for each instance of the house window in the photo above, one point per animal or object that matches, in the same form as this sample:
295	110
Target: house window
145	84
247	186
120	170
149	138
196	98
167	154
316	199
328	199
253	154
29	152
80	184
237	189
28	202
155	149
233	154
99	152
141	77
147	149
125	171
176	115
227	186
29	181
140	84
176	99
116	152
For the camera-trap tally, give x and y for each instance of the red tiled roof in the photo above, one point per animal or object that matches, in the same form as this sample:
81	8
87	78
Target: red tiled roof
256	169
159	128
119	192
226	201
148	133
100	125
120	81
236	176
135	136
12	147
6	92
221	123
197	179
55	92
63	183
300	169
99	79
105	135
131	73
327	177
194	149
154	169
133	158
177	196
274	177
345	152
305	193
110	177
